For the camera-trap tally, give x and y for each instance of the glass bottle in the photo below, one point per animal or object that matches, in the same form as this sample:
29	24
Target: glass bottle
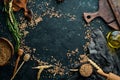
113	39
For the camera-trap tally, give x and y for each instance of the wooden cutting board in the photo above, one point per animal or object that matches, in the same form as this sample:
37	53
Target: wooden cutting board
108	11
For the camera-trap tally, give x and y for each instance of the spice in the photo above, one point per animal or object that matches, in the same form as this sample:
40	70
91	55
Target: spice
86	70
26	58
41	68
22	4
6	51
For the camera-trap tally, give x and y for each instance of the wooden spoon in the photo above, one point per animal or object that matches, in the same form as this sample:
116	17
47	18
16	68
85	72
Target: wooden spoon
25	59
20	53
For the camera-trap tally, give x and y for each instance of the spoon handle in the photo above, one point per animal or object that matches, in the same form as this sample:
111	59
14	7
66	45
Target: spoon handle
17	70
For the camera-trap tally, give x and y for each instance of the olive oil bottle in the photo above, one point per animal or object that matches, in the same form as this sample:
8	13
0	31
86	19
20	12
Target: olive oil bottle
113	39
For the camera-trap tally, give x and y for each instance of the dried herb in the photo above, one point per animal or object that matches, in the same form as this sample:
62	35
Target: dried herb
12	23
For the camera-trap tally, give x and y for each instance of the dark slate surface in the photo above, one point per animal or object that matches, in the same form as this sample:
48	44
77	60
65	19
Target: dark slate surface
58	35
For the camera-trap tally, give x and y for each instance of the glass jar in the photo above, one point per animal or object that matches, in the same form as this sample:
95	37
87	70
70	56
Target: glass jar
113	39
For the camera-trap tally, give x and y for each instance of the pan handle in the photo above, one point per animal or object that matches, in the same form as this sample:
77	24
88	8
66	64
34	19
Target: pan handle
90	16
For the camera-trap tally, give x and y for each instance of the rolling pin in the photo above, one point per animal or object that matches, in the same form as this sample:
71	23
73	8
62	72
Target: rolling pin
109	76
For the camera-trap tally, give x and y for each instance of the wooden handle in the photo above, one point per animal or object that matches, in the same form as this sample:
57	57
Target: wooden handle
113	76
102	73
94	64
16	64
20	53
90	16
109	76
17	70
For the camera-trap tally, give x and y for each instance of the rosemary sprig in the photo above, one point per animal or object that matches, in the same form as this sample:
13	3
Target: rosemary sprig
12	23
